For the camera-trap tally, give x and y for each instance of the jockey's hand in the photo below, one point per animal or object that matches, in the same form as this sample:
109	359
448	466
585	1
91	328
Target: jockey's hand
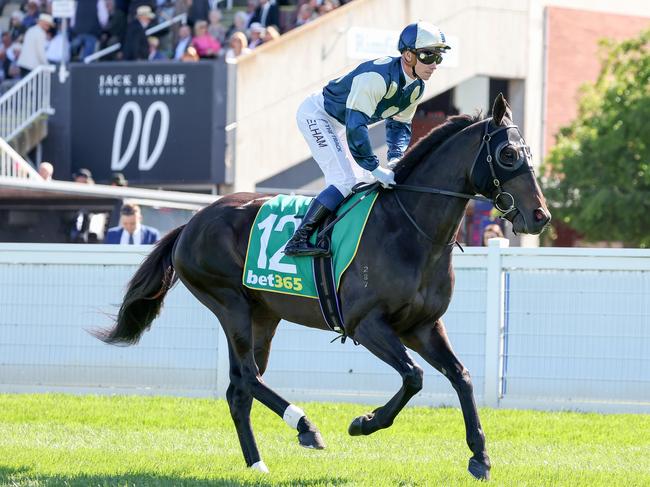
392	163
385	176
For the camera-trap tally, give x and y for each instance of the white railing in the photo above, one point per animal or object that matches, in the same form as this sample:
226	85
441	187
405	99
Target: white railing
179	19
25	102
545	328
168	199
12	165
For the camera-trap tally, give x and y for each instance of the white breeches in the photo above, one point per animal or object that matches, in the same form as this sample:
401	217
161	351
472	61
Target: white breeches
328	144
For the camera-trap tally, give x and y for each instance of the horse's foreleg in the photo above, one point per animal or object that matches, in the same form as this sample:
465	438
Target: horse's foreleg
380	339
431	342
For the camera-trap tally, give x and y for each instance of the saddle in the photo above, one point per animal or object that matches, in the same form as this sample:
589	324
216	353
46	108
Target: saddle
323	265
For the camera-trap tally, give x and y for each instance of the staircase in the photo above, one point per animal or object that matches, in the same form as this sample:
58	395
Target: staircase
24	110
12	165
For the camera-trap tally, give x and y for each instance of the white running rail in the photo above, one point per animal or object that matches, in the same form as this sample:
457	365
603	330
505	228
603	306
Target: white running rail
28	100
12	165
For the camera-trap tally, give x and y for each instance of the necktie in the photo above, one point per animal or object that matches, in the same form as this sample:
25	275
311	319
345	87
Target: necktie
130	239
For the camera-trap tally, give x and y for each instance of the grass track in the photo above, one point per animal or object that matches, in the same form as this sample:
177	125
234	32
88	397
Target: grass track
48	440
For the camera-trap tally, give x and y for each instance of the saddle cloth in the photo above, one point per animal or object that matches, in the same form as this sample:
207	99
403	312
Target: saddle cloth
268	269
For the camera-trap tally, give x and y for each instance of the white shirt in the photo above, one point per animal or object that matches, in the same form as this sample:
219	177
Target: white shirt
33	51
181	47
230	54
137	236
55	49
265	12
407	77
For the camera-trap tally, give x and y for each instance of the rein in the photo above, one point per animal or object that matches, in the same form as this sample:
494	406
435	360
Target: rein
487	137
367	188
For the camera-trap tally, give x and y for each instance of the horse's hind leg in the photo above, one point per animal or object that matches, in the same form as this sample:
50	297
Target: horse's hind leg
431	342
263	331
239	398
238	319
240	402
239	330
378	337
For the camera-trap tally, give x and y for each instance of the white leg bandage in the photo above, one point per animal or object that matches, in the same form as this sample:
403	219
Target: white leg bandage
260	467
292	415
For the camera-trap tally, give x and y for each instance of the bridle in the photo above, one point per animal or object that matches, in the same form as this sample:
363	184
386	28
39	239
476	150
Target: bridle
510	170
503	201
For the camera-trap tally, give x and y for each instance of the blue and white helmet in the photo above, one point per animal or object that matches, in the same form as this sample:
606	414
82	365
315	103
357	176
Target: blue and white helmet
421	35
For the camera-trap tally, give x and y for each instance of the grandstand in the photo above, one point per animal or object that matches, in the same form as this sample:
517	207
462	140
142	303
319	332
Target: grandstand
215	127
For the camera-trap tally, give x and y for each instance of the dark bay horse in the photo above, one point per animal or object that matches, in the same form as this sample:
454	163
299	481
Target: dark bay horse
466	155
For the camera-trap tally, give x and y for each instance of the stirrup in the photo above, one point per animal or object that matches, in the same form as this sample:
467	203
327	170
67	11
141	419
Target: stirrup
307	250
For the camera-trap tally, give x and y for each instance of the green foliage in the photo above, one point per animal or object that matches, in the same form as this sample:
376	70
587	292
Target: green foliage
599	170
65	440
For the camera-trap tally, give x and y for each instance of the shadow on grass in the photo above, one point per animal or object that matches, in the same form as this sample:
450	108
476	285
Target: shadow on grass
24	477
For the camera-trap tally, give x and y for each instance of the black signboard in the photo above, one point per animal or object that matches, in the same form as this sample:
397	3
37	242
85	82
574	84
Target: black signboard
156	122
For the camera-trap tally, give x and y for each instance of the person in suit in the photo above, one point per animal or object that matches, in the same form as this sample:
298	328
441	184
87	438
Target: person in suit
136	46
131	231
154	52
266	14
184	41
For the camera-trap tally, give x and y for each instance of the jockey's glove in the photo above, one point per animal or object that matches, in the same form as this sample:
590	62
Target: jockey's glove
385	176
392	163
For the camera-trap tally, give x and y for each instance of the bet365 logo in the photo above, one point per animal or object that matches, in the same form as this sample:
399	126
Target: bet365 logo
275	281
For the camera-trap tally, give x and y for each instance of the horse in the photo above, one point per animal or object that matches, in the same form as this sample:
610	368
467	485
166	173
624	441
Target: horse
467	155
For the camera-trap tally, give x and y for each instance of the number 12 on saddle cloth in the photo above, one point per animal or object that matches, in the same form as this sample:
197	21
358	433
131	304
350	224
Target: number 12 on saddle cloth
268	269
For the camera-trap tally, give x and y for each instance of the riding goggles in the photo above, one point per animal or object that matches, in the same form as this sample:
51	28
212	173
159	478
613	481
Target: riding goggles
429	56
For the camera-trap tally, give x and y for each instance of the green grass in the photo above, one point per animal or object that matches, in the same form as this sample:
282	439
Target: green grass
89	440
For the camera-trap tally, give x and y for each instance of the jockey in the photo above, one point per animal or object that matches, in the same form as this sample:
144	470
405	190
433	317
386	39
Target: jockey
335	122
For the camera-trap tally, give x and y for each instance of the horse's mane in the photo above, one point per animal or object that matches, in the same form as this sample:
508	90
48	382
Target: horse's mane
434	139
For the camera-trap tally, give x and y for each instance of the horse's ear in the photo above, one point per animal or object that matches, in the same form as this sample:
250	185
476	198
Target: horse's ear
500	109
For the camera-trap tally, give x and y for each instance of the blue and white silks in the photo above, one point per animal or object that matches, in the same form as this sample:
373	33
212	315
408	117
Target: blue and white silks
335	122
374	91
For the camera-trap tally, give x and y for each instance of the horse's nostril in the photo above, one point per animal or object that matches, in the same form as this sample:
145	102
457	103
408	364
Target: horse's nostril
540	215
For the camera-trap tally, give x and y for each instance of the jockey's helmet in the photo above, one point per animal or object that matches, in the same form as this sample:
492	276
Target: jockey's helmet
421	35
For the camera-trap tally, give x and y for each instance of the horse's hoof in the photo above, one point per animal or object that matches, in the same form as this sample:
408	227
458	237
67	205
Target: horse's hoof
479	470
260	467
356	426
311	439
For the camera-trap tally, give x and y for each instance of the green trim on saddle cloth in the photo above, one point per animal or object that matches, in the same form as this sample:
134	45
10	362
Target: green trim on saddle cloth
268	269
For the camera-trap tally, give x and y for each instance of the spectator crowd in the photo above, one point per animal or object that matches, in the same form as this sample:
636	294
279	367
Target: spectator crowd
32	37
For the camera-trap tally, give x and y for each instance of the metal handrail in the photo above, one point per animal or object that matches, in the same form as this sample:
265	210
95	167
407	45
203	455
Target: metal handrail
163	197
25	102
182	18
12	165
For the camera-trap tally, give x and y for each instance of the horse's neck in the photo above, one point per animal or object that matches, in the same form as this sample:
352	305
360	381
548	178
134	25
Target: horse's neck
439	215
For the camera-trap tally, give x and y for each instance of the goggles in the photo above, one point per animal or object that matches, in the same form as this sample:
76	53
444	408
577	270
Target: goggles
429	56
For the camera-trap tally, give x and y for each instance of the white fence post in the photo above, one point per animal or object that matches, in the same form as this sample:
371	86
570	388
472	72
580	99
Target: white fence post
494	322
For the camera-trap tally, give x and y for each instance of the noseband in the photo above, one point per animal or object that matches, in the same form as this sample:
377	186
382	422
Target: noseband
503	201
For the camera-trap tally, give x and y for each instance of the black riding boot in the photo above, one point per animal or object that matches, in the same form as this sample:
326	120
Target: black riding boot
299	244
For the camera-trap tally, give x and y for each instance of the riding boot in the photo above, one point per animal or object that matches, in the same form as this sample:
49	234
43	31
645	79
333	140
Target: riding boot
299	244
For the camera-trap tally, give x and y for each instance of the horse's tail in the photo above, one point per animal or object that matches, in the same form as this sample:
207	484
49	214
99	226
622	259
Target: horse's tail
144	297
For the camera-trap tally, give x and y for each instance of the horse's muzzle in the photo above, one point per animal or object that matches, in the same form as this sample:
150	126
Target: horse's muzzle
532	224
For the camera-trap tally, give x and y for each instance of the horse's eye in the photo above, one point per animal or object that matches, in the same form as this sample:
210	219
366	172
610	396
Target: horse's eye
509	154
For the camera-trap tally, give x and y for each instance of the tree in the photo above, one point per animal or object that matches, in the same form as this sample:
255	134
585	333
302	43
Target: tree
599	171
